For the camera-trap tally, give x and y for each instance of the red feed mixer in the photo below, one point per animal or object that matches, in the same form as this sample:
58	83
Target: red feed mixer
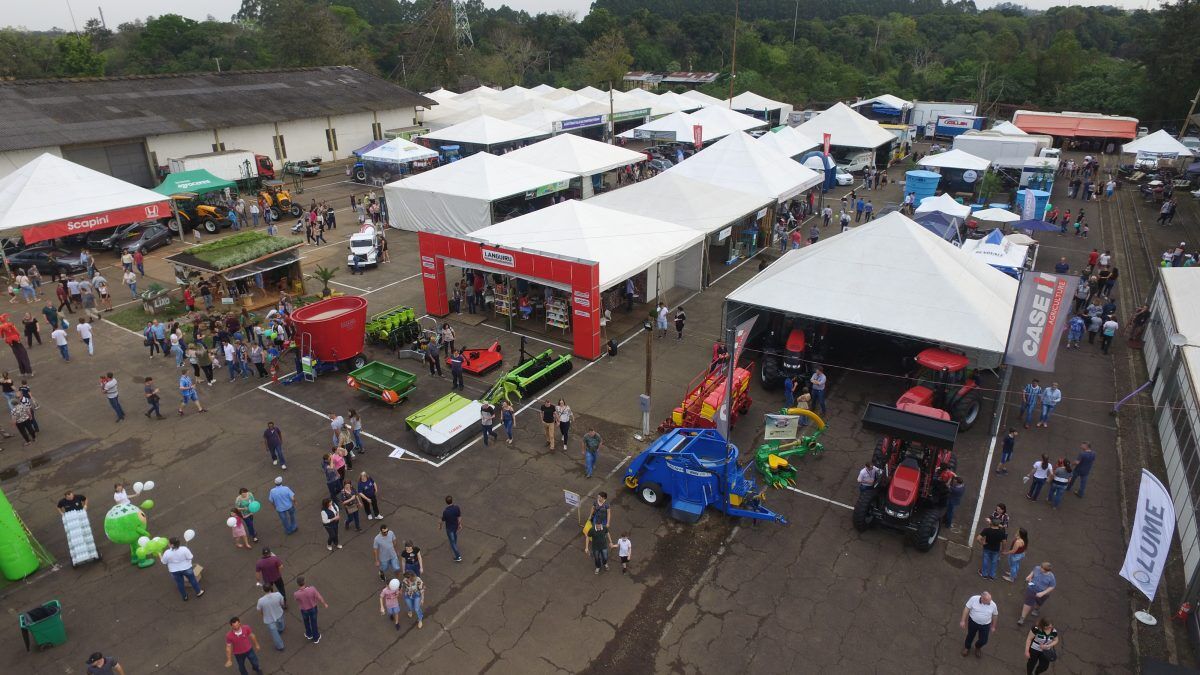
332	330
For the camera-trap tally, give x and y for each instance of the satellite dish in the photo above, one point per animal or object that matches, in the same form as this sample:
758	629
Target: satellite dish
1178	339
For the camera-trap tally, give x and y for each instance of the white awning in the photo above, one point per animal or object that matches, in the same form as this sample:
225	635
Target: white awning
846	128
955	159
576	154
679	127
484	130
788	141
1009	129
1158	143
739	162
885	99
703	98
891	275
749	100
675	198
399	150
944	203
722	115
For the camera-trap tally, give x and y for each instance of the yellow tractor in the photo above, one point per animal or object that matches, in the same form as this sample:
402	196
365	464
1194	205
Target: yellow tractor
194	213
278	200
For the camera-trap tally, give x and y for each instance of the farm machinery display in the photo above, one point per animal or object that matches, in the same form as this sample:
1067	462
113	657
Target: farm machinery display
383	382
445	424
771	458
704	397
396	327
912	460
941	382
533	373
479	361
693	469
328	333
792	355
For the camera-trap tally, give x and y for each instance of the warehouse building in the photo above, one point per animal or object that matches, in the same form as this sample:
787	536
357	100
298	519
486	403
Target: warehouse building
129	127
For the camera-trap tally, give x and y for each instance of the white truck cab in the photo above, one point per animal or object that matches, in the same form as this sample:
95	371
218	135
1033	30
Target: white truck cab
364	246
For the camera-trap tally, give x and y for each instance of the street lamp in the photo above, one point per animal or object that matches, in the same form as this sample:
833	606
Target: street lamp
645	398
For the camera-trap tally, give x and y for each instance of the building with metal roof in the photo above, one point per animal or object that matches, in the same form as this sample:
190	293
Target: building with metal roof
129	126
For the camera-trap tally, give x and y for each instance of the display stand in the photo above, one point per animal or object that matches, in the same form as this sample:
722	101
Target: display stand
502	306
558	314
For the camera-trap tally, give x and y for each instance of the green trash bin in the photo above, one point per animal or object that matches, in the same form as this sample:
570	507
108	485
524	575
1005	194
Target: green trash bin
45	625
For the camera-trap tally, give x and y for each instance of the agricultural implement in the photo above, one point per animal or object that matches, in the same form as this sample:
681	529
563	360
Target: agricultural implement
704	397
533	373
771	458
480	361
383	382
329	333
393	328
692	469
445	424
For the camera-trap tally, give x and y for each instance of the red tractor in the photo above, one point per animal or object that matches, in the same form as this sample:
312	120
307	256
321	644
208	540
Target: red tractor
942	383
913	460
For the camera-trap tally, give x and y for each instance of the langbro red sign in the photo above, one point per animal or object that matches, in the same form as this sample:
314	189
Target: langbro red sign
95	221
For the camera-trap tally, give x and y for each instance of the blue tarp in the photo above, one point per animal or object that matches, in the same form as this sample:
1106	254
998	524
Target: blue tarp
1034	226
884	109
368	147
940	224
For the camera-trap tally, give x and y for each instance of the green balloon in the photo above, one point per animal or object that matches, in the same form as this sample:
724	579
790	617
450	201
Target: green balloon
254	507
141	551
148	504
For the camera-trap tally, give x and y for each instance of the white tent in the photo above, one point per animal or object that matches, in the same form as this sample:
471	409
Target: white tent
955	159
541	120
739	162
642	94
722	115
456	198
569	101
944	203
1009	129
886	100
486	131
1157	144
675	198
576	154
623	244
846	128
681	102
399	151
681	125
788	141
998	251
457	111
894	276
515	94
480	92
749	100
593	93
441	95
703	98
543	89
996	216
50	189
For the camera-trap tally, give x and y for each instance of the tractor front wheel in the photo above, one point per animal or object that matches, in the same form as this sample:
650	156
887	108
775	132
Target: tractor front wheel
966	412
276	214
295	210
927	531
651	493
360	175
864	514
210	227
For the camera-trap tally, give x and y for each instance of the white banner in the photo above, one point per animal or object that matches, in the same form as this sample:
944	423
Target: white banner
781	427
1153	529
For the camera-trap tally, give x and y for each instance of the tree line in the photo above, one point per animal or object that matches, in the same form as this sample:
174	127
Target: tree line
807	52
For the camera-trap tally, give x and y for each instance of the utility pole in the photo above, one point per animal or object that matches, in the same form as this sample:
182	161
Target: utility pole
612	126
1187	120
218	60
733	61
103	23
403	70
795	20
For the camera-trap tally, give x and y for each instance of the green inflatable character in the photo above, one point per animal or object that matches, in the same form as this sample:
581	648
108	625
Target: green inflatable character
126	524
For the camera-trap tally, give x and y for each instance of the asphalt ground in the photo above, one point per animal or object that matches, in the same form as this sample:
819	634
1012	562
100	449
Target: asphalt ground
716	595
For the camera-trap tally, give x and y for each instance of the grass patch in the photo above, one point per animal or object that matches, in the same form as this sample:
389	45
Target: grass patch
240	248
133	318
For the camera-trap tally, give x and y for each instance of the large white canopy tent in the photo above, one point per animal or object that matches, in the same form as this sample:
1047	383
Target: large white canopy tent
884	100
442	95
623	244
486	131
694	204
1157	144
740	162
722	115
576	155
892	276
541	120
846	128
680	102
749	100
944	203
457	111
456	198
787	141
37	199
593	93
703	98
955	159
682	126
399	151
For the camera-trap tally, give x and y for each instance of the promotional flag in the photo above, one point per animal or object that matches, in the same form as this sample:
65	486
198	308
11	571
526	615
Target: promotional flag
1043	304
698	136
826	142
740	335
1153	529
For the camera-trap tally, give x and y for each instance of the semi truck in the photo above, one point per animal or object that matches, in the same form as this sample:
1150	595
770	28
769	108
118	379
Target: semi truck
1004	152
241	166
925	112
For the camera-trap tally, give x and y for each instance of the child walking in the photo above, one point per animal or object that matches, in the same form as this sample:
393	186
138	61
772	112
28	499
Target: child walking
624	551
238	529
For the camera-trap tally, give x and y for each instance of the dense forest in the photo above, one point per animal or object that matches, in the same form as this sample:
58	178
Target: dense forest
1101	59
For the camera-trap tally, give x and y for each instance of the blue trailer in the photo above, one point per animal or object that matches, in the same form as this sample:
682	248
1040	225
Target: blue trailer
691	469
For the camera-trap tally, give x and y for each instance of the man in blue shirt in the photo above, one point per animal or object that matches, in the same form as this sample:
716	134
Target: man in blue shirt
870	210
1030	397
160	334
456	370
954	498
1083	467
858	209
452	520
284	500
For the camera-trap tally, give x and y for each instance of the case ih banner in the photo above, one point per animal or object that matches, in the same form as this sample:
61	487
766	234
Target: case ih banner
98	221
1043	302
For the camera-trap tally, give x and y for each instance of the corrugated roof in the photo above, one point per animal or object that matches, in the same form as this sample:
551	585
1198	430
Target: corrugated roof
39	113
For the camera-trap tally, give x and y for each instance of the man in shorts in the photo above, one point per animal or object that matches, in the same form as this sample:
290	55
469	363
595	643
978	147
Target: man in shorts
385	553
1039	584
187	388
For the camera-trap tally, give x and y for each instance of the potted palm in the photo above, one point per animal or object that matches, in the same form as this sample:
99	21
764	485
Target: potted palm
324	274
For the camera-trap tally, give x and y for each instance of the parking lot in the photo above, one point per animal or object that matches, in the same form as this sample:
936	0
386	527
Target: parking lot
717	596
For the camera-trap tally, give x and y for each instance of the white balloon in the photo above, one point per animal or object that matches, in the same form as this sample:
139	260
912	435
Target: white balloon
189	535
394	584
142	541
232	522
137	487
148	485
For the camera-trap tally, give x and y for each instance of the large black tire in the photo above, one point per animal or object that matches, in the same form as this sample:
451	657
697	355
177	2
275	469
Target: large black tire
276	214
864	516
769	373
966	412
173	226
877	457
295	210
927	530
210	227
358	362
360	175
651	493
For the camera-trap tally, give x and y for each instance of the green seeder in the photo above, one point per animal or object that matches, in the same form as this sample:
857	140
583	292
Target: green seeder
534	372
396	326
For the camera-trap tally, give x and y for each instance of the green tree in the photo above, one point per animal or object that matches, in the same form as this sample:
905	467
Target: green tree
607	59
76	57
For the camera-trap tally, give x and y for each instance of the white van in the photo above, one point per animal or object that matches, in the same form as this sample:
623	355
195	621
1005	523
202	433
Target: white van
364	246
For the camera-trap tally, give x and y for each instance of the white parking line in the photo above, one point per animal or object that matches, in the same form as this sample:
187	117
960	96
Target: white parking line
827	500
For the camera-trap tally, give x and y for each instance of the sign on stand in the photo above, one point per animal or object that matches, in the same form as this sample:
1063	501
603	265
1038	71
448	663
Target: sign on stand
571	498
781	427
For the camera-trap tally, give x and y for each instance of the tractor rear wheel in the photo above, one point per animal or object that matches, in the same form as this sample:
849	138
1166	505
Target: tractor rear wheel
295	210
360	175
864	515
927	531
210	227
769	372
650	493
275	214
966	412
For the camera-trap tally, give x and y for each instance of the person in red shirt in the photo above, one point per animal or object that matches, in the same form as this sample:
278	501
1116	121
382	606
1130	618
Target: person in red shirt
308	597
1093	258
269	572
241	643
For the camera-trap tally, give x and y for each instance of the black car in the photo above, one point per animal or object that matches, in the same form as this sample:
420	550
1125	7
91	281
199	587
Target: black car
111	240
48	260
147	238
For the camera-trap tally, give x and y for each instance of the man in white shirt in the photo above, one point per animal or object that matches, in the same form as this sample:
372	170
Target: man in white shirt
867	476
85	333
60	340
978	619
108	385
231	360
178	560
336	422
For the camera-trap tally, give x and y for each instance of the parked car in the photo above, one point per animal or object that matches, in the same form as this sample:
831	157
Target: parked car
302	168
660	164
842	176
856	162
147	238
1192	143
48	260
109	240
